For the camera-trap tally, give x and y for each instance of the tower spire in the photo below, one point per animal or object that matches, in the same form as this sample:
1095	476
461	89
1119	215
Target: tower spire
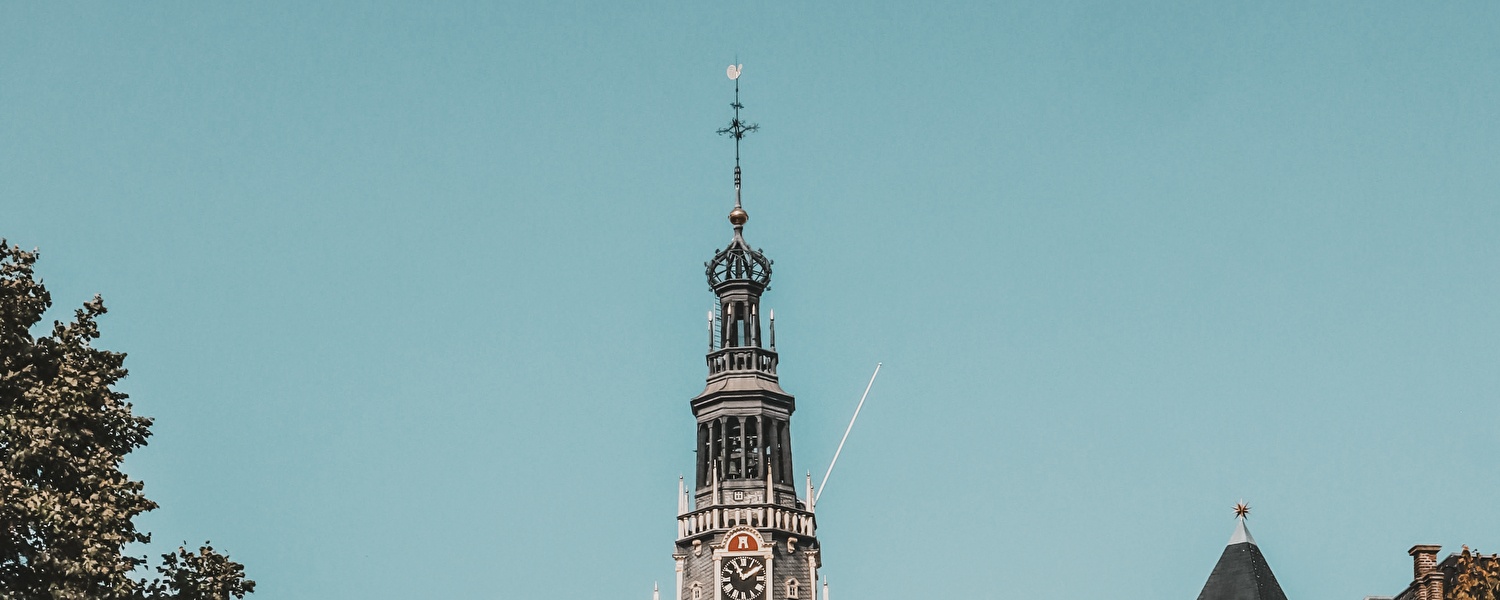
748	534
1242	572
737	129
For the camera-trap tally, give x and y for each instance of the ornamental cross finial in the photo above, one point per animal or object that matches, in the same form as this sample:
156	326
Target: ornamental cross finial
1241	510
737	128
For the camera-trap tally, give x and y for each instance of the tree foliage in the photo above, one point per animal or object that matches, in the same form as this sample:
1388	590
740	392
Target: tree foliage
66	509
1477	577
205	575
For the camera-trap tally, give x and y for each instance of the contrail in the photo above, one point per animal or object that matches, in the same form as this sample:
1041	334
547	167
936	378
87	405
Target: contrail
846	435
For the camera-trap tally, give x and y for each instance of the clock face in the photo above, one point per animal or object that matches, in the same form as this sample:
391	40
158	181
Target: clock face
743	577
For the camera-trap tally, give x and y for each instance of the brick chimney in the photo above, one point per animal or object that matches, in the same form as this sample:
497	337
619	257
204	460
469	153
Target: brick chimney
1427	580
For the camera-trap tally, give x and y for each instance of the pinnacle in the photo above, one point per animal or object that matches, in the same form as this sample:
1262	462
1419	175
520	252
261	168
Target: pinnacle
1241	534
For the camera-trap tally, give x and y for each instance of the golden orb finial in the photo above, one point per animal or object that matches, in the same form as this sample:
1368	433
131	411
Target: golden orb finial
738	216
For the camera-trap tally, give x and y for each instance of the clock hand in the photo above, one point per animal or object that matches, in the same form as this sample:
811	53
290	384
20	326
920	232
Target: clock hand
752	572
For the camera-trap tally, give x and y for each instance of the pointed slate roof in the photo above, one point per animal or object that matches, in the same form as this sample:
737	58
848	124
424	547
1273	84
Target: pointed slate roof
1242	572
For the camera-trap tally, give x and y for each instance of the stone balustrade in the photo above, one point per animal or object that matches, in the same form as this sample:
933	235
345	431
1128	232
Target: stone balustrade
742	358
760	516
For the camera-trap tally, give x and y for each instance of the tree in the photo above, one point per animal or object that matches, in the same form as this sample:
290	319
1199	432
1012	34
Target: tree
1476	577
66	509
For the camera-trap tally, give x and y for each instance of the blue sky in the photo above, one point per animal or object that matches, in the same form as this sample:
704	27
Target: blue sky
415	293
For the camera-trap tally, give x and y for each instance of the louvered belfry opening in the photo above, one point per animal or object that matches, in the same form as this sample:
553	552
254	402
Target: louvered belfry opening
750	447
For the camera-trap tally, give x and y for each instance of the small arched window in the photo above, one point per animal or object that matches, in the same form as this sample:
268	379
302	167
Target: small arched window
791	588
697	591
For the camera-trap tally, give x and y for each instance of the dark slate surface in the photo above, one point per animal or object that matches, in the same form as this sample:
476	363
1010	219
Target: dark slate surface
1242	574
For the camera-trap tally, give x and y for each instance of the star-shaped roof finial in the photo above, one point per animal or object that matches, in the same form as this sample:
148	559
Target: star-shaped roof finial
1241	510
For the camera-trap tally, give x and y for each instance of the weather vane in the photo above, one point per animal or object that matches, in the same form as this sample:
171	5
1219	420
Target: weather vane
737	128
1242	510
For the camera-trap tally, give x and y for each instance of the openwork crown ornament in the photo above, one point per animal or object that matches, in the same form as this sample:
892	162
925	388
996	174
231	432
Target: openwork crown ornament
739	263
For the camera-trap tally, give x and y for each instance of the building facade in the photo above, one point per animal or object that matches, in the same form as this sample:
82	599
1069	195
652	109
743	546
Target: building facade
1461	574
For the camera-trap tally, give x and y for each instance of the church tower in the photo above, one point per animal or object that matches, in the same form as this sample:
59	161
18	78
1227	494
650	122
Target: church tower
742	531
